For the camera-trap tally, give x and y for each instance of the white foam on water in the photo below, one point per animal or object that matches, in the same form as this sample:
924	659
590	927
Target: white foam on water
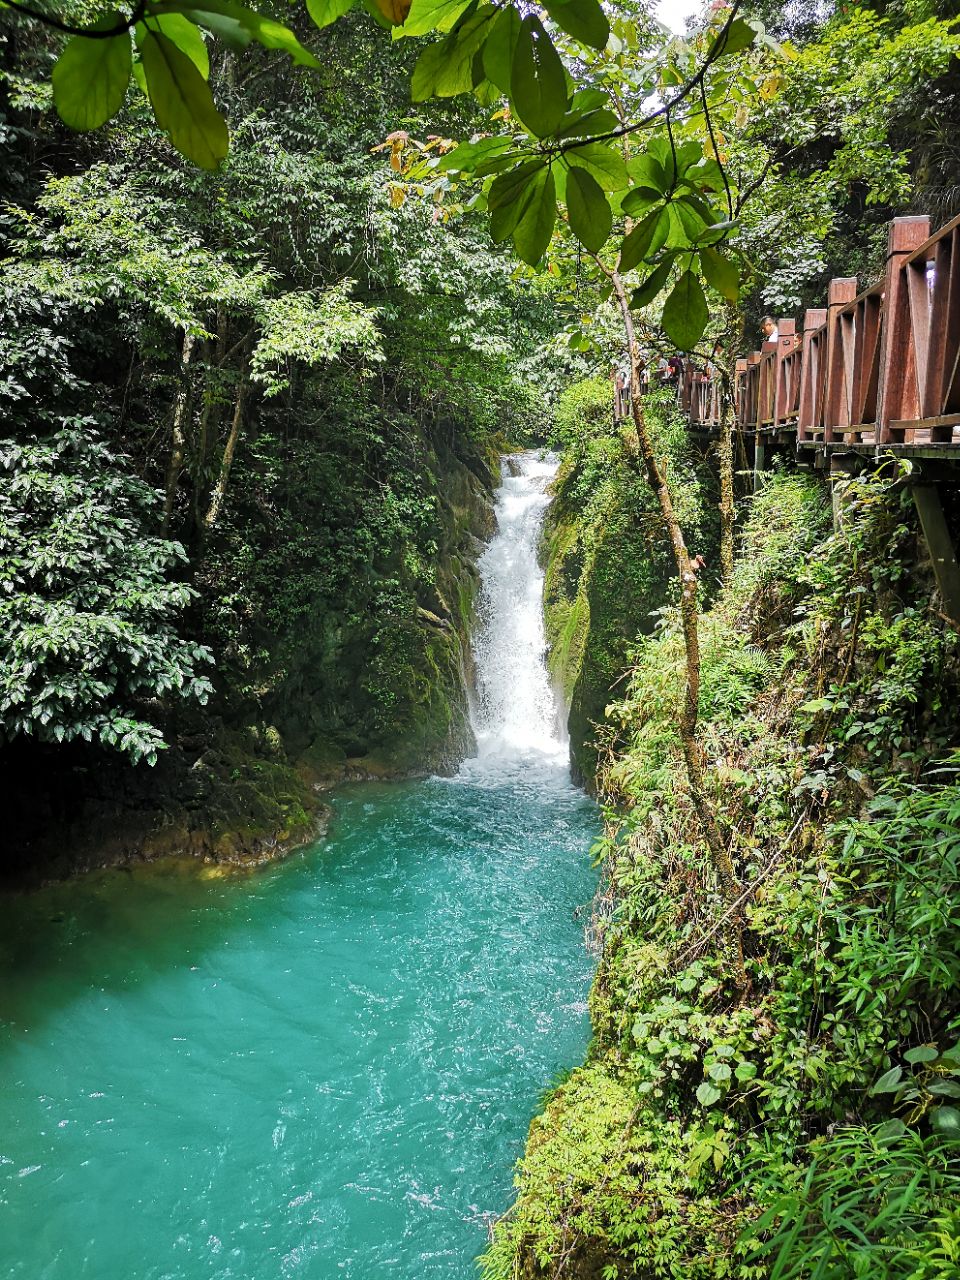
515	713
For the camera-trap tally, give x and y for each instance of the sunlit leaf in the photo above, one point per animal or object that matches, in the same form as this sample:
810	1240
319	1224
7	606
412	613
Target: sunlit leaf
445	69
270	34
323	12
182	102
91	76
431	15
185	35
499	47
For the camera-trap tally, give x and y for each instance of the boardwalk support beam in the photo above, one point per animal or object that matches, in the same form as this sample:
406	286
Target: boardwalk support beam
940	546
759	461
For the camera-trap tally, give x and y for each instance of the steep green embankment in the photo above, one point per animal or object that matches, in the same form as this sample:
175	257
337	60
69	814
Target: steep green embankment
821	1102
336	599
607	560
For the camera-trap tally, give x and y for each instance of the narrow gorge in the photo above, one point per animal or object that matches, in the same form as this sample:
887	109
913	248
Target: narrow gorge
325	1067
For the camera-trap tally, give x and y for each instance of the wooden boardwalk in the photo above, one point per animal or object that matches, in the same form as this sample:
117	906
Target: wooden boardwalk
871	372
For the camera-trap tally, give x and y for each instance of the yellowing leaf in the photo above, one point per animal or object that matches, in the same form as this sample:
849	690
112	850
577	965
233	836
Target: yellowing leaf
395	11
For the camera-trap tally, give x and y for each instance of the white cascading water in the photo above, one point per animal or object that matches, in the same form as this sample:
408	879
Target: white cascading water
515	714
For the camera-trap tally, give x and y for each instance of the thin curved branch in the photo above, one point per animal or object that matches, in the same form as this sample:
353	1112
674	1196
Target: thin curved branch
718	47
89	33
716	152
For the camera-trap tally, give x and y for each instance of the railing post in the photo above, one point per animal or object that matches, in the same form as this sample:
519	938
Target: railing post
842	290
786	341
751	391
739	390
813	318
897	360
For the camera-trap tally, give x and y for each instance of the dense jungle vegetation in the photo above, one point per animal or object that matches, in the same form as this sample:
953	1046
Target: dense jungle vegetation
250	422
254	391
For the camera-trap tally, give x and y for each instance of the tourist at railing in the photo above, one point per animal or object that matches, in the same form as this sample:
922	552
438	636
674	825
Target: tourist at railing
770	331
621	394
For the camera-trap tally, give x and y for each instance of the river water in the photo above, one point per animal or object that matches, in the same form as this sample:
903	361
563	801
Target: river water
325	1069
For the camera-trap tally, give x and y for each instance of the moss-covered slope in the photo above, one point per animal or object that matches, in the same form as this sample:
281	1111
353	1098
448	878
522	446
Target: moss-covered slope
607	559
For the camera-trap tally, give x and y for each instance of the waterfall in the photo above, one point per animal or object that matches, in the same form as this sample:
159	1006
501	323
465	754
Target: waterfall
515	714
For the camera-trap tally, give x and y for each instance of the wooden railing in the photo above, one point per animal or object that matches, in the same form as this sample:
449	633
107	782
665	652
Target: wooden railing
881	367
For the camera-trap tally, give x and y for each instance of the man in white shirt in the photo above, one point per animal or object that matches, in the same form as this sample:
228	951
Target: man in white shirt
770	331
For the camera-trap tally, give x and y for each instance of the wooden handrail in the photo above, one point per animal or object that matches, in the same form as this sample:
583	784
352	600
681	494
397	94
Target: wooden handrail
875	366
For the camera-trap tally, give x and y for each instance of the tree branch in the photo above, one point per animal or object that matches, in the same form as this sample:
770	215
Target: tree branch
88	33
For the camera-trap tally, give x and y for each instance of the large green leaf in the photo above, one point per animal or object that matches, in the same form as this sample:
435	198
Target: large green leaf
721	273
510	194
323	12
589	99
232	32
429	15
587	124
639	199
603	160
685	312
445	69
505	188
590	215
91	77
211	13
582	19
645	170
531	236
645	239
468	155
684	212
946	1121
740	36
182	102
645	293
186	35
538	83
499	47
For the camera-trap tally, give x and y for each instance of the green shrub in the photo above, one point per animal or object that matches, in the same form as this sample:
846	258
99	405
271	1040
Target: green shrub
87	602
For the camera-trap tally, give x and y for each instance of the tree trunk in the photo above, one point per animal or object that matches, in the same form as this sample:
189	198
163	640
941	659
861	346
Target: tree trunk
178	435
220	489
208	430
689	615
725	448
